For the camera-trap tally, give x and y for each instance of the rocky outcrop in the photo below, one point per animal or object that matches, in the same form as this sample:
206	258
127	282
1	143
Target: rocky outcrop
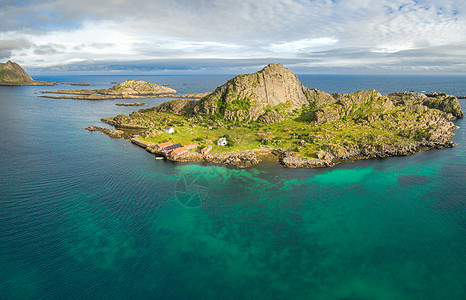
130	104
110	132
129	89
121	122
344	105
179	106
12	72
336	156
193	96
72	92
440	101
248	97
138	88
85	97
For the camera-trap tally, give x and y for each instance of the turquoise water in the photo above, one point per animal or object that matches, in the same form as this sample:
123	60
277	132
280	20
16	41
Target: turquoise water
89	217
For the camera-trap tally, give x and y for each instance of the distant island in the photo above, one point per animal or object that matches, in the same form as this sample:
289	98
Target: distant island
271	113
11	74
129	89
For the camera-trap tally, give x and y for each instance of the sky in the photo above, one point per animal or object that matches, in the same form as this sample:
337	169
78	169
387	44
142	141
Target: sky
234	36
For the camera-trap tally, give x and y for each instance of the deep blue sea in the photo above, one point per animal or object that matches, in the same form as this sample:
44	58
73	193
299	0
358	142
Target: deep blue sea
84	216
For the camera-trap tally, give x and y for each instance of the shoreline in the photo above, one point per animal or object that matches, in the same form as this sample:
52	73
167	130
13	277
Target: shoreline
284	158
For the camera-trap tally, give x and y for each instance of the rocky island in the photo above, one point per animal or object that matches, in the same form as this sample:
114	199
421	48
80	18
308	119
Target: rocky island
128	89
271	112
11	74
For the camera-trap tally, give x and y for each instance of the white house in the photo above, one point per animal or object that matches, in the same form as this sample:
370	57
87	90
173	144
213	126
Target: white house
168	129
222	141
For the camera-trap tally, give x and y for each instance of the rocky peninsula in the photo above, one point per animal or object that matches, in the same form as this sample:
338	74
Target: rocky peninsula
11	74
271	113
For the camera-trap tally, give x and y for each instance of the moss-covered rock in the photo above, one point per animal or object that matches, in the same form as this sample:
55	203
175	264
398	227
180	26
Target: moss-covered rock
249	96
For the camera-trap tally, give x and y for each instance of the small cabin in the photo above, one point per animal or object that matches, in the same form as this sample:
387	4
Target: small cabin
222	141
168	129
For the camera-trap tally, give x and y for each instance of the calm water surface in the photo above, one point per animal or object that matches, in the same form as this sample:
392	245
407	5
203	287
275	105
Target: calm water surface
84	216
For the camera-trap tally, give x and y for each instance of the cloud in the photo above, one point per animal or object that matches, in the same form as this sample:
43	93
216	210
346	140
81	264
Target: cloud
304	45
7	47
359	33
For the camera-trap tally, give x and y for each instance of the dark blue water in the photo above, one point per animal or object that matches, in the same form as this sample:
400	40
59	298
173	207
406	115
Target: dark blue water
86	216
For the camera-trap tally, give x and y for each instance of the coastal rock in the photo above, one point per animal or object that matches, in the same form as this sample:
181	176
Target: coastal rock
73	92
146	145
130	104
110	132
122	121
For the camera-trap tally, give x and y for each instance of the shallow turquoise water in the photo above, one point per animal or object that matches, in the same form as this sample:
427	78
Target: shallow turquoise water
86	216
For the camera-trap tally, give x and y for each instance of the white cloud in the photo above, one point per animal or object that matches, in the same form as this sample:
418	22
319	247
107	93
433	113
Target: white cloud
225	29
304	45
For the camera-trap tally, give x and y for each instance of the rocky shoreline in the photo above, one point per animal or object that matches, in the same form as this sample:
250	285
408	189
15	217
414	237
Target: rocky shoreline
286	158
290	159
114	133
130	104
239	159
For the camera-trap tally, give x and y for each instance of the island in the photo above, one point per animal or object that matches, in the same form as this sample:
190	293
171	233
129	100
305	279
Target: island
11	74
271	113
129	89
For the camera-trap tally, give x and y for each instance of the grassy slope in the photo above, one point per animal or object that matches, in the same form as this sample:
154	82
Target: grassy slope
286	134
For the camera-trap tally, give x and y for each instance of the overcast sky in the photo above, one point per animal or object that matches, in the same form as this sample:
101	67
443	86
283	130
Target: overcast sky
226	36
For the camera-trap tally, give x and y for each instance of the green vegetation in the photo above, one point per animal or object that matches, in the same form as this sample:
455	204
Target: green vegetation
305	137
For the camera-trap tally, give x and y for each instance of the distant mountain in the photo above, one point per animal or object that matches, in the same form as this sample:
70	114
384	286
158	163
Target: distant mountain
11	72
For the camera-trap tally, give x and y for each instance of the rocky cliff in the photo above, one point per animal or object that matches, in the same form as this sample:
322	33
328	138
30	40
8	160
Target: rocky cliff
250	96
11	72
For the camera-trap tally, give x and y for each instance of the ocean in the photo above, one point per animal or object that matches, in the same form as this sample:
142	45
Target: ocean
85	216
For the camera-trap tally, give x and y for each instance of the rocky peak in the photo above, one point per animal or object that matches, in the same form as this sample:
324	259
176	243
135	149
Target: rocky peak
249	96
12	72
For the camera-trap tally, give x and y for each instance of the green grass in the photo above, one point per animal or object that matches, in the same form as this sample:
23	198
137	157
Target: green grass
350	132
